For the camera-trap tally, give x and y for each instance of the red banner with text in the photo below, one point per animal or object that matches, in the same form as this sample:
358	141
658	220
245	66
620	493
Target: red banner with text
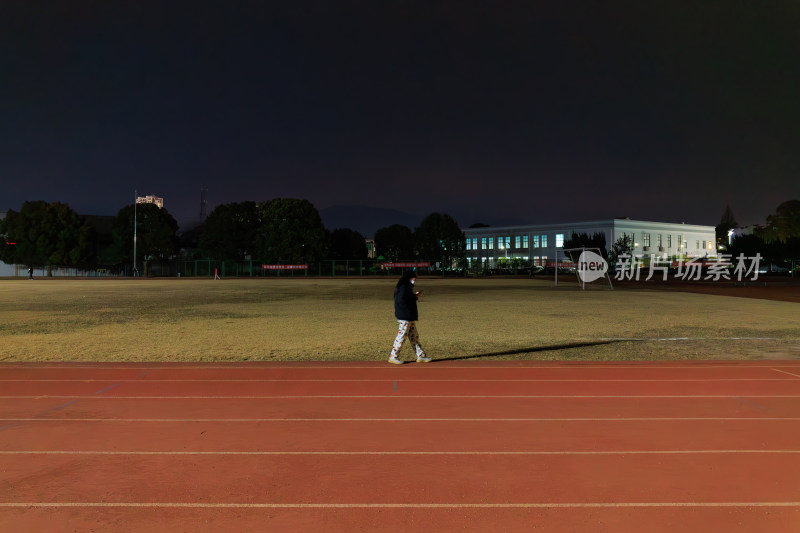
284	267
422	264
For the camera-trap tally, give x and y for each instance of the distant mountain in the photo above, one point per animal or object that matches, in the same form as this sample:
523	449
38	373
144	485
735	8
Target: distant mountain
364	219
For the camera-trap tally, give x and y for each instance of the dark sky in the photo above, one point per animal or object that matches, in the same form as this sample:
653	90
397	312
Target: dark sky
530	112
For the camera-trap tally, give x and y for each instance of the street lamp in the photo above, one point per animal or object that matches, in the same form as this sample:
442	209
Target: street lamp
135	196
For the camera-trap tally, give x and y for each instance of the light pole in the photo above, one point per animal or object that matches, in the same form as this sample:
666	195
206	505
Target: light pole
135	194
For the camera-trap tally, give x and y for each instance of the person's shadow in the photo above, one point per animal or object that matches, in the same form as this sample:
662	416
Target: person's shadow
533	349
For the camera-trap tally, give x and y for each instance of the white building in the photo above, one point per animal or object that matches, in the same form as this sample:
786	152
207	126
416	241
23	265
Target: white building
538	243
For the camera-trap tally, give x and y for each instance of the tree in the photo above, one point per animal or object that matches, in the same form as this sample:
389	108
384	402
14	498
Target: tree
345	243
395	242
784	224
291	231
438	238
230	231
622	246
579	240
155	234
47	234
726	223
749	246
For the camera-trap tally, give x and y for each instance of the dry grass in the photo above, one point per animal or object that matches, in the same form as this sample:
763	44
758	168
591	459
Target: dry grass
352	319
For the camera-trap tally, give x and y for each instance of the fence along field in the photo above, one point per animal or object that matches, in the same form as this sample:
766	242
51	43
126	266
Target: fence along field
352	319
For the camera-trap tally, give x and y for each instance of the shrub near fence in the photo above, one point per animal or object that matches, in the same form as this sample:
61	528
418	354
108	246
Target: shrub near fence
205	268
21	271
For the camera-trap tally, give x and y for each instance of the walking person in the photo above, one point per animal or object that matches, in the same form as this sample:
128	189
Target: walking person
30	272
405	309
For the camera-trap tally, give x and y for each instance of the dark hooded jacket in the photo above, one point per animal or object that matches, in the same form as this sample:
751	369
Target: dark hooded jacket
405	300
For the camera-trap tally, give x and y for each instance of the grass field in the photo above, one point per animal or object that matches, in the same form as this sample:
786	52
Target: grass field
353	319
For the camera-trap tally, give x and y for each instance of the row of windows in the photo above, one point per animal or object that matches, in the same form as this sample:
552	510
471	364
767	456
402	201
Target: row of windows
682	243
504	242
536	260
540	241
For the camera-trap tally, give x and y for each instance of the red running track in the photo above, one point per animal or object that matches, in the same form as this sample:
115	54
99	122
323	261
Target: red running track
448	446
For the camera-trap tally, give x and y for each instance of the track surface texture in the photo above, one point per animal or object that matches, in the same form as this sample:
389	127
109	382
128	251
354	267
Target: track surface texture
368	446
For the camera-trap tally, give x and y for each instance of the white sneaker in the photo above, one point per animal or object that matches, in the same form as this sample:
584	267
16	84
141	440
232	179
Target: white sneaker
423	359
395	361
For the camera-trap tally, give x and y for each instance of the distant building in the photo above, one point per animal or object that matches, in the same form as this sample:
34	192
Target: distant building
537	243
150	199
370	248
745	230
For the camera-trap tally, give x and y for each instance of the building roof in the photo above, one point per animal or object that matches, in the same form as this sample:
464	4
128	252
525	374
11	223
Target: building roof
611	222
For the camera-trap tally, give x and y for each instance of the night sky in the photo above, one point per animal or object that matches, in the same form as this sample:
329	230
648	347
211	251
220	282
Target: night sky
496	112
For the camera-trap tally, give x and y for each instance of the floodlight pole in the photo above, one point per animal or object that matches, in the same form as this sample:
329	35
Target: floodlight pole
556	264
135	195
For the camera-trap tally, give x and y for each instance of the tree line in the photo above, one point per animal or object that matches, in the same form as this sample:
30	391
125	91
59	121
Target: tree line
281	230
777	240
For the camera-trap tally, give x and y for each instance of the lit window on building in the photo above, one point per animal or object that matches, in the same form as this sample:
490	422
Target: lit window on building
559	240
544	241
524	241
517	241
646	239
491	243
483	243
535	241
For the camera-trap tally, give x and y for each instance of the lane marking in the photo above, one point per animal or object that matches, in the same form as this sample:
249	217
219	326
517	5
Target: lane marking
584	419
640	339
554	452
378	396
386	380
785	372
267	365
576	505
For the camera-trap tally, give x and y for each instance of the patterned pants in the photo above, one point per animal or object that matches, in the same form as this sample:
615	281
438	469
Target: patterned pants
407	329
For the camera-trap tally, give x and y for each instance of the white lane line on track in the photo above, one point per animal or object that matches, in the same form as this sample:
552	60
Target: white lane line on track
266	365
396	396
248	420
639	339
387	380
542	452
785	372
536	505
